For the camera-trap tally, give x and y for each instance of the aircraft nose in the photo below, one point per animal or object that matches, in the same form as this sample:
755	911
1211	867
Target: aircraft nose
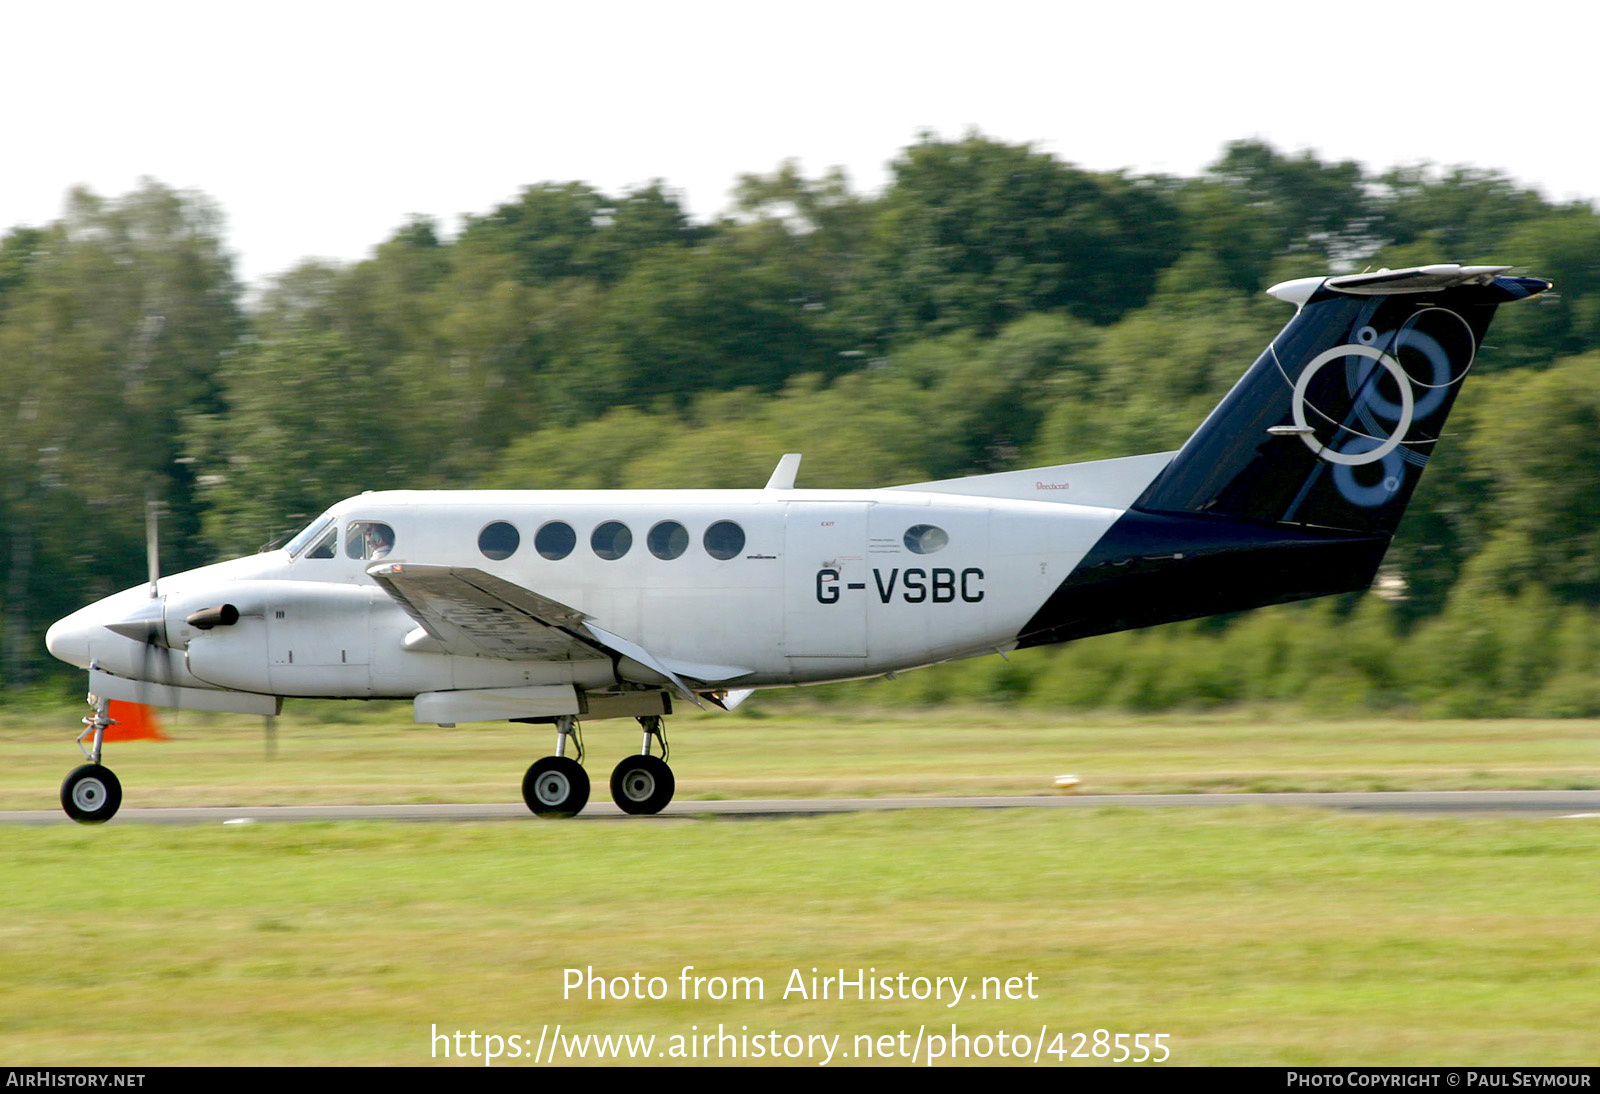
68	639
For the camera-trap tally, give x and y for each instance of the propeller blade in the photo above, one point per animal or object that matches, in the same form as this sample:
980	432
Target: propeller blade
152	543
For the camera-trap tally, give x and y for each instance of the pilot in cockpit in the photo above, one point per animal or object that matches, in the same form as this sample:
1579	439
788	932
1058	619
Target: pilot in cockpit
380	541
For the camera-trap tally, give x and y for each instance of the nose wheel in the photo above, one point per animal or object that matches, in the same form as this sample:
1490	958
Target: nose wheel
91	794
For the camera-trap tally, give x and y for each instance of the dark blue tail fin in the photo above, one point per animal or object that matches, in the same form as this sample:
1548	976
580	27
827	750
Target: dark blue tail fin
1294	485
1333	425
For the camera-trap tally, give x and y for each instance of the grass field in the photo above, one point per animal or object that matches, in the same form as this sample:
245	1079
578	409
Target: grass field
361	753
1246	935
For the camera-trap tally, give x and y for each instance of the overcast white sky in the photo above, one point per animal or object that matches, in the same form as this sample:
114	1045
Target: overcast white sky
318	127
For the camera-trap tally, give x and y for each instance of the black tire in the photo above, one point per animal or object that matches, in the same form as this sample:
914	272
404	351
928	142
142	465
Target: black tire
642	785
556	787
91	794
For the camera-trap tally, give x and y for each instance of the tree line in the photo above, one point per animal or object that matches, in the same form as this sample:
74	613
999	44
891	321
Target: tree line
992	308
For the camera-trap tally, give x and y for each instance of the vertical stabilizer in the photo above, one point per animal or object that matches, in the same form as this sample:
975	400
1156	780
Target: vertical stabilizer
1334	424
1293	486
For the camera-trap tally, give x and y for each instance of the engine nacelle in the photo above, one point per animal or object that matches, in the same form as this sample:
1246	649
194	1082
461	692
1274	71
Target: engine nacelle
278	637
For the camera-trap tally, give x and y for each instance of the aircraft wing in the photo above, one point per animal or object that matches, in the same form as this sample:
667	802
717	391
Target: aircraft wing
468	611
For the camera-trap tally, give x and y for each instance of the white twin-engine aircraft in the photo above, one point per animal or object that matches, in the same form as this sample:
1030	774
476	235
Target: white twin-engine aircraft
555	606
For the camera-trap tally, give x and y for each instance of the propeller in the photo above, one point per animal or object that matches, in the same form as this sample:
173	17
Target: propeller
153	627
152	543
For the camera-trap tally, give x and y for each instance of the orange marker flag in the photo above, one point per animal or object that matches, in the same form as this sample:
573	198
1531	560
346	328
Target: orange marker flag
135	722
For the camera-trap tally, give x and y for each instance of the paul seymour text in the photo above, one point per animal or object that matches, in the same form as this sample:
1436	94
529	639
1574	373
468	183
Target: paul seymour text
852	985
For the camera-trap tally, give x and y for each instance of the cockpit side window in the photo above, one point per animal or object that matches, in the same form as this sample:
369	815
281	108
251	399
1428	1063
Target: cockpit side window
327	546
307	534
368	539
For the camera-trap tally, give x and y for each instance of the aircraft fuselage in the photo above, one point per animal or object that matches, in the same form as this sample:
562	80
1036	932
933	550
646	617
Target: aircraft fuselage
825	586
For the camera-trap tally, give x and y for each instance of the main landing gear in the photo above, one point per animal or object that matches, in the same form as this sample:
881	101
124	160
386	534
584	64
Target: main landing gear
643	784
558	786
91	794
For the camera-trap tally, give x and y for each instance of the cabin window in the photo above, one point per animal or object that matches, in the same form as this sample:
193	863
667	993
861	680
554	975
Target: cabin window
327	546
669	539
611	540
925	539
724	539
368	539
499	540
555	540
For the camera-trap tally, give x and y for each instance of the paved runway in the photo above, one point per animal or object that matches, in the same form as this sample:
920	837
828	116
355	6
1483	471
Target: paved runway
1552	803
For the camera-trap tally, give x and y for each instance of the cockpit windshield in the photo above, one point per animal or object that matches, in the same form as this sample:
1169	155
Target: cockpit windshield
307	534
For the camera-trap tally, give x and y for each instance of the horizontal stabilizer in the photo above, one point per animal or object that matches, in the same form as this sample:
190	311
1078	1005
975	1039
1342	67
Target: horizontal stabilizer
1475	284
1415	279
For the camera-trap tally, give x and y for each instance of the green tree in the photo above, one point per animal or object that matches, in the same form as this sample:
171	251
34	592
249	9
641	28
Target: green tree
1311	206
974	233
1534	443
712	318
307	423
117	330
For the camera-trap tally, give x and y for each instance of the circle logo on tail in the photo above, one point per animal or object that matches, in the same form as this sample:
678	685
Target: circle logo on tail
1407	405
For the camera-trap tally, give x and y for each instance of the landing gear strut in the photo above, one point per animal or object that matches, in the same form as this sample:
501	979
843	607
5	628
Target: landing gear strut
91	794
558	786
643	784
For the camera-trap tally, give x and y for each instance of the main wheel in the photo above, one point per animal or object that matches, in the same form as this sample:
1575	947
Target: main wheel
556	787
91	794
642	785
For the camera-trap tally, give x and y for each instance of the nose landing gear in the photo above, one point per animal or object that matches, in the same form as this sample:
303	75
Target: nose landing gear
91	794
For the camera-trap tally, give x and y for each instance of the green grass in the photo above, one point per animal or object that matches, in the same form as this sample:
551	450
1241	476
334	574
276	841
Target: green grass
1249	936
367	753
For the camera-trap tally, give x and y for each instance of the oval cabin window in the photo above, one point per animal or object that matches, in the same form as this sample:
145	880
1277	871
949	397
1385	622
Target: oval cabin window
499	540
724	539
611	540
555	540
668	540
925	539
